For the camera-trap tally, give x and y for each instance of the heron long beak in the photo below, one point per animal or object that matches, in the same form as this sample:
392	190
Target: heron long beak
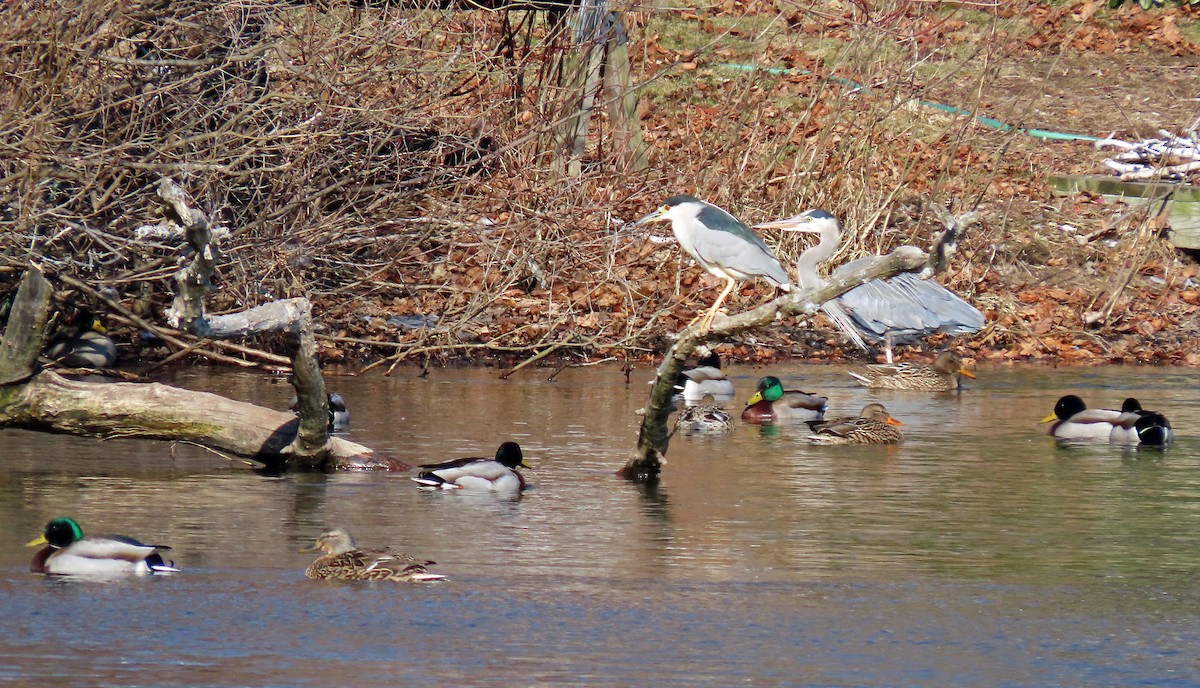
40	540
660	213
790	224
1048	418
966	373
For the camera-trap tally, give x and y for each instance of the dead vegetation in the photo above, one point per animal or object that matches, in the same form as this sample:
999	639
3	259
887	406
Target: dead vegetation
397	166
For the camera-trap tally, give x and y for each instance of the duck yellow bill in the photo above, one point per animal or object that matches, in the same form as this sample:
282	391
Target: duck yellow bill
1048	418
966	373
893	421
40	540
754	399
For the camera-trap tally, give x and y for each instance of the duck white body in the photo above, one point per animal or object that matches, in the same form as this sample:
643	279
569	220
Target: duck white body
498	474
706	379
68	551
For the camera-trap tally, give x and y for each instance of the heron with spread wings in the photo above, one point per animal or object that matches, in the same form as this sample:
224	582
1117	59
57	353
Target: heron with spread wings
897	309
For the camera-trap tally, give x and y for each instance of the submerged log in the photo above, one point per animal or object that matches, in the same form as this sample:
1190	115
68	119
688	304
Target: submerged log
43	400
51	402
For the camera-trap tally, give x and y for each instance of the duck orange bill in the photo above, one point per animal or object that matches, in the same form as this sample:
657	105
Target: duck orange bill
893	421
966	373
40	540
1048	418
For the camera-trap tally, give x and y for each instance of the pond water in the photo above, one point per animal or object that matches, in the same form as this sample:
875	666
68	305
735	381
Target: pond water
976	553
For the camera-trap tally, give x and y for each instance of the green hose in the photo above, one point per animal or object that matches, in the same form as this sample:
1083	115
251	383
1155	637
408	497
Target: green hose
986	121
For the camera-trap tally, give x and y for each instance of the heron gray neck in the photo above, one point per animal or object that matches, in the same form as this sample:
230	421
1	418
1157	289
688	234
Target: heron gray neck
806	264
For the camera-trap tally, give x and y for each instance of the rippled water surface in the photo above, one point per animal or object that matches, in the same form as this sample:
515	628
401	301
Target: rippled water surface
977	553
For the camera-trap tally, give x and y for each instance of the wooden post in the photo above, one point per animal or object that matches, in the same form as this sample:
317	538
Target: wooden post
599	41
622	101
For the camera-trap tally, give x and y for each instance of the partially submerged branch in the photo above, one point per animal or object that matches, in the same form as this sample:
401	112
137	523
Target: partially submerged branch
292	316
43	400
646	461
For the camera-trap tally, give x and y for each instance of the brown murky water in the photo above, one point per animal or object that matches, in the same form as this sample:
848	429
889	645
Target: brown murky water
977	553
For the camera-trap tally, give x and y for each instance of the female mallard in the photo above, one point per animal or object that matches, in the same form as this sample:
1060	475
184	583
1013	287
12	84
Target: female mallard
873	426
946	373
703	419
1131	425
344	561
706	379
771	403
498	474
83	344
69	552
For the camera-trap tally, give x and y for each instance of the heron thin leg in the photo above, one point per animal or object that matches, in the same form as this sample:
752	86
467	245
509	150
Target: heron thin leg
706	323
887	344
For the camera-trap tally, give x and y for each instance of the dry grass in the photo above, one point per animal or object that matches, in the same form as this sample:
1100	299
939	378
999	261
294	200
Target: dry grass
401	162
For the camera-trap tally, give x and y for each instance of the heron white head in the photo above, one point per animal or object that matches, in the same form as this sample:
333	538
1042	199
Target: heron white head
810	221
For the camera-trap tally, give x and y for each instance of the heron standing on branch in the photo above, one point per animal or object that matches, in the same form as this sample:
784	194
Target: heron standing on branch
899	308
721	244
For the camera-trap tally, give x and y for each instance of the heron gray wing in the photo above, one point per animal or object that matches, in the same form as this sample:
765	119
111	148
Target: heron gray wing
734	248
907	303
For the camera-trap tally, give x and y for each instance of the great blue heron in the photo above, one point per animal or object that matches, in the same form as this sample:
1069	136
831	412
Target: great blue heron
721	244
897	309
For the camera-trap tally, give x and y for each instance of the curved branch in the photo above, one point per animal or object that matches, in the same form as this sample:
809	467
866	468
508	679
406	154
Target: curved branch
646	461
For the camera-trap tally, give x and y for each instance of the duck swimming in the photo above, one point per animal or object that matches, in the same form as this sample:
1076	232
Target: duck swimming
68	551
1149	427
703	419
339	415
706	379
497	474
343	560
772	403
874	425
945	374
1073	420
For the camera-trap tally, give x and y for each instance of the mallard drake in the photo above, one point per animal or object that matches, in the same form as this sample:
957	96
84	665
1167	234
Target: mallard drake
1149	427
703	419
945	373
497	474
339	415
1073	420
1131	425
68	552
705	379
874	425
83	344
771	403
345	561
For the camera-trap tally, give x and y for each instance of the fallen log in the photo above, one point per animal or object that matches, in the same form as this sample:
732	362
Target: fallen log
38	399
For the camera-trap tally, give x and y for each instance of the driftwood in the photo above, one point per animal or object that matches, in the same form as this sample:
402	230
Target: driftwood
193	281
43	400
646	461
